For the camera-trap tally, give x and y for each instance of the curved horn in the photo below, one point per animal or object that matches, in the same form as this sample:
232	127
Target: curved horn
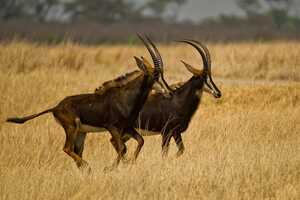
206	52
156	52
153	56
209	64
204	60
191	69
161	64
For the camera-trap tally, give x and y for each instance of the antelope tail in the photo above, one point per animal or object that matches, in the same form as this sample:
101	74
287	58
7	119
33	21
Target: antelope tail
21	120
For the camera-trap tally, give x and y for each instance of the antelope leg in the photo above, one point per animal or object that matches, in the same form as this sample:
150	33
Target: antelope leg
179	143
166	143
134	134
118	144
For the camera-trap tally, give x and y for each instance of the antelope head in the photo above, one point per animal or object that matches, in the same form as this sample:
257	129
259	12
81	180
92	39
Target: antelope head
158	71
153	74
205	73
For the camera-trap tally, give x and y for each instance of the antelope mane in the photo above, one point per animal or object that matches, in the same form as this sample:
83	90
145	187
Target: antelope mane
119	81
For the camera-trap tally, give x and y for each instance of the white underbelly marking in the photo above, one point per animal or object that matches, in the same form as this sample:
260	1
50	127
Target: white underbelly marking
89	128
147	133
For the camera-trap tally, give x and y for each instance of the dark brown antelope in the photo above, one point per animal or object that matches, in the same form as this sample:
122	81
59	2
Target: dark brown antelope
115	109
170	116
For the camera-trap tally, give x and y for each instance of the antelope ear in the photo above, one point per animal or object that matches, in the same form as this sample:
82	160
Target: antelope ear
147	64
140	64
191	69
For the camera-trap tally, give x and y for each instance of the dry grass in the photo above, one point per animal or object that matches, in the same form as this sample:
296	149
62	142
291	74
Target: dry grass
270	60
244	146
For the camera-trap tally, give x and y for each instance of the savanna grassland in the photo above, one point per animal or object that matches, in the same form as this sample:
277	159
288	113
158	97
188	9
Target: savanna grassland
245	145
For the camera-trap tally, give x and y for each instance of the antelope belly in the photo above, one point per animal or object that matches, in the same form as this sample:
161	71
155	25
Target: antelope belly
89	128
147	132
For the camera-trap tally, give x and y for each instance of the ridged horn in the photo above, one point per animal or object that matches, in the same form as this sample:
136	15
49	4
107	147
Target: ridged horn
191	69
161	64
208	57
204	60
152	54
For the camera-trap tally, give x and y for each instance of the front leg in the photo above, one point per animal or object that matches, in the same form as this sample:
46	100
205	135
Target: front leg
135	135
118	144
115	145
166	137
179	143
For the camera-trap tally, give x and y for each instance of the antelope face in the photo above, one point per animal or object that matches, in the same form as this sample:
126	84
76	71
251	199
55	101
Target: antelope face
147	68
208	85
205	74
211	88
156	72
155	75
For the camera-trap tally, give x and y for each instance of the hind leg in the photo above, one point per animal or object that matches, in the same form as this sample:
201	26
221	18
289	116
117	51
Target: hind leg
69	147
79	138
71	124
79	143
72	132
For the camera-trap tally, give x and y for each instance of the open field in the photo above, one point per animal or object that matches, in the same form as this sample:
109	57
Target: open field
245	145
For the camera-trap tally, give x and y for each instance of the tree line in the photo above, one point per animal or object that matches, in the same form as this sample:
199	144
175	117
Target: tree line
282	12
96	10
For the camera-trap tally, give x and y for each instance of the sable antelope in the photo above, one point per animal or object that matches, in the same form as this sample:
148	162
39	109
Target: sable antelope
115	109
170	116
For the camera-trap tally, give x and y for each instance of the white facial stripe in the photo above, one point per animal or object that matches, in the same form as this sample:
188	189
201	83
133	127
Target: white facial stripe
207	89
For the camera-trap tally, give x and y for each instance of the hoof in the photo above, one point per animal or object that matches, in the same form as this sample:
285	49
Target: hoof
179	153
164	156
133	161
84	167
126	161
109	169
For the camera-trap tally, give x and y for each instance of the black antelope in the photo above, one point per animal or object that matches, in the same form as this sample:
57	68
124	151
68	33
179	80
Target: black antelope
115	109
170	116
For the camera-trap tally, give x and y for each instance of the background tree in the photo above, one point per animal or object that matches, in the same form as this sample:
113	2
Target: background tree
96	10
102	10
119	10
159	6
10	9
250	7
279	10
36	10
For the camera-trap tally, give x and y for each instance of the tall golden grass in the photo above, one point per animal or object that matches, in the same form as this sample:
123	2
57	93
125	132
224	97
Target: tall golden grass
245	145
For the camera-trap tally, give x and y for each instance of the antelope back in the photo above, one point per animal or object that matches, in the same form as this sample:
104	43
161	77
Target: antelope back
118	82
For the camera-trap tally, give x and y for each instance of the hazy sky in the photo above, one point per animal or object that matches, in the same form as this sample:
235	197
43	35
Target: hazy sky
199	9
